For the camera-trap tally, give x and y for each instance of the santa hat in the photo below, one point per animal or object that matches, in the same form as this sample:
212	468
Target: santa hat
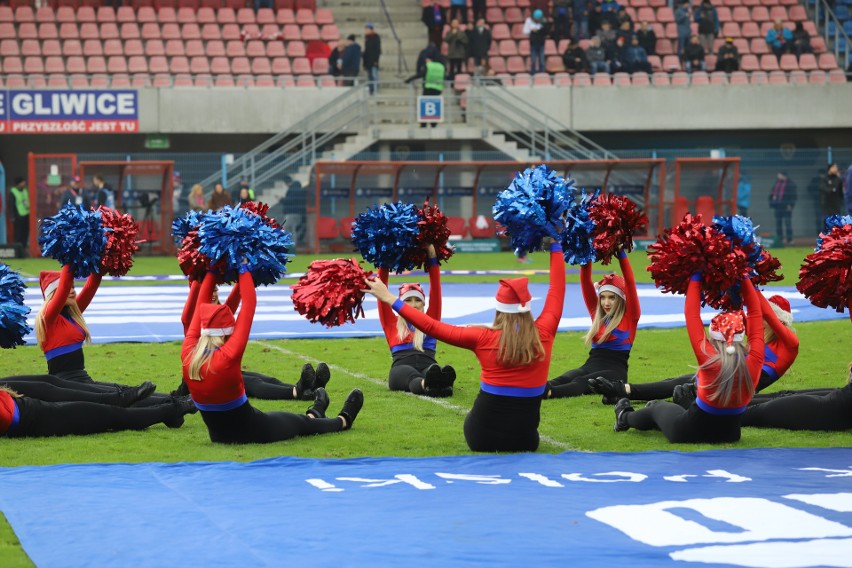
412	290
49	281
781	306
513	296
728	327
216	320
612	283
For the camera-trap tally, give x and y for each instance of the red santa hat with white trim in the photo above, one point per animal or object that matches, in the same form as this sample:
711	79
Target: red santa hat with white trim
411	290
612	283
728	327
513	296
49	281
781	306
217	320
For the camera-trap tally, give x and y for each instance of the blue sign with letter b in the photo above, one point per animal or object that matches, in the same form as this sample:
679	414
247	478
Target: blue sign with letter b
430	109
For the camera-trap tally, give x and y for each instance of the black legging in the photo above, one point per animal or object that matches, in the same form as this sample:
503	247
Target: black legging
503	423
53	389
686	426
248	425
406	372
606	363
804	412
39	418
82	377
766	397
265	387
659	390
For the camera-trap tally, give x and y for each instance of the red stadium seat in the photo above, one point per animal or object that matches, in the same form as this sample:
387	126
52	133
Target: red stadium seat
29	48
285	16
346	227
487	231
777	78
304	17
705	206
660	79
195	48
698	78
789	62
137	64
175	48
798	77
226	16
836	76
186	16
281	66
457	226
158	65
214	49
749	63
739	78
134	47
220	66
92	47
327	228
640	79
827	61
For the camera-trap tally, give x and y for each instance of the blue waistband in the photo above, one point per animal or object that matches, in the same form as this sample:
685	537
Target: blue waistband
222	406
16	417
719	411
429	344
770	372
521	392
56	352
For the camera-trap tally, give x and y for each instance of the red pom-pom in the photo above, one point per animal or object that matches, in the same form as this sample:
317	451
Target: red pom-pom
121	231
194	264
766	269
330	292
433	231
825	278
616	220
261	209
690	247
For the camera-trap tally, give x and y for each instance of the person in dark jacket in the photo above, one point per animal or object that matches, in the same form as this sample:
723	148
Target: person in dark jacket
430	52
479	42
831	193
351	64
435	18
372	52
335	58
574	58
636	59
782	198
536	28
801	40
457	42
647	38
707	19
728	58
693	55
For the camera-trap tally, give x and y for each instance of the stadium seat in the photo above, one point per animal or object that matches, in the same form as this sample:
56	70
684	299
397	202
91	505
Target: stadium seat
485	232
777	78
582	80
718	78
622	79
698	78
789	62
281	66
170	31
739	78
226	16
769	62
457	226
223	81
601	80
660	79
836	76
751	30
680	78
235	48
346	227
827	61
523	80
680	207
671	63
240	66
705	206
327	228
798	77
640	79
28	48
562	80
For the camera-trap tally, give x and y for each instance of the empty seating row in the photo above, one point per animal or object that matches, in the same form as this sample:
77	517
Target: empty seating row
160	80
162	4
167	15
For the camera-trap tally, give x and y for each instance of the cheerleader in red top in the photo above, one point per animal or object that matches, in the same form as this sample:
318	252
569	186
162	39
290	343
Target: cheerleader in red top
259	385
779	353
212	357
514	354
728	373
613	305
414	367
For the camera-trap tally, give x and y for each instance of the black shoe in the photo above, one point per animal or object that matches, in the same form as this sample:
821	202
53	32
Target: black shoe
306	383
449	375
352	407
612	391
622	407
684	395
183	405
182	390
321	402
323	376
130	395
433	381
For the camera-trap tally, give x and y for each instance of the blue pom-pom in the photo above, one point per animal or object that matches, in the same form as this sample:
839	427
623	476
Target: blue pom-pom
181	226
831	222
384	234
13	312
533	207
74	236
742	233
577	239
233	234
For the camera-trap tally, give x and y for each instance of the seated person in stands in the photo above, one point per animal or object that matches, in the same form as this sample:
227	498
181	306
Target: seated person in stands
574	58
693	55
596	57
728	58
636	59
625	32
622	17
647	38
801	40
779	39
606	34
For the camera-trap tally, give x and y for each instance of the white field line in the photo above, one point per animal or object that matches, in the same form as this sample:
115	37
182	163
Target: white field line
383	383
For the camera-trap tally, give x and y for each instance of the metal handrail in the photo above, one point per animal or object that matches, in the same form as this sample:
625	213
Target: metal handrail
401	63
822	11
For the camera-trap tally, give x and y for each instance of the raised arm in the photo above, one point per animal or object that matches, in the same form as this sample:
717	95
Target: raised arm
189	306
236	344
465	337
590	295
555	300
233	300
434	270
694	326
84	298
204	295
387	318
754	330
781	331
53	308
632	297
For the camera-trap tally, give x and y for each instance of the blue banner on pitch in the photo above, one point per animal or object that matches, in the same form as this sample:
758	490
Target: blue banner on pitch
780	508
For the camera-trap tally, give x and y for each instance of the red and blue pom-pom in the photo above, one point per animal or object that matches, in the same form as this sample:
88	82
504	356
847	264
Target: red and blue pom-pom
13	311
233	234
261	209
121	231
576	238
533	207
831	222
181	226
825	278
330	292
616	220
433	230
385	235
76	237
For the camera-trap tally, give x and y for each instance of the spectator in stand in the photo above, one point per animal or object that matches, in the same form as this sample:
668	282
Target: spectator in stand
478	9
728	58
372	53
596	56
595	19
779	39
647	38
610	8
479	42
693	56
350	66
535	28
73	193
743	194
621	16
574	58
105	194
458	10
831	193
683	19
435	18
782	199
561	17
335	58
457	42
19	206
625	32
801	40
219	198
432	52
636	59
195	199
707	19
607	35
847	190
580	10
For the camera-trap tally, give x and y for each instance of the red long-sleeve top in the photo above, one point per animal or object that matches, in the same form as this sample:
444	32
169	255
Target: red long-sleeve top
62	335
388	319
519	381
221	387
621	338
778	354
704	350
8	411
232	302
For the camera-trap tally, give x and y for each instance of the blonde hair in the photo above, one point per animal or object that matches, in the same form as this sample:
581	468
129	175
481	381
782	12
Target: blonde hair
402	331
201	355
769	335
11	393
520	343
601	319
732	372
71	309
197	189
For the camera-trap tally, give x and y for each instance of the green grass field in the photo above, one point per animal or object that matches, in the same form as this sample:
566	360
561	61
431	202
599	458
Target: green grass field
396	424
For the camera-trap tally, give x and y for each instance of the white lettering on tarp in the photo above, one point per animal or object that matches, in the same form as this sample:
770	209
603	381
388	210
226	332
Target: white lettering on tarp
70	104
400	478
323	485
833	472
542	479
479	479
841	502
729	477
618	475
821	552
658	524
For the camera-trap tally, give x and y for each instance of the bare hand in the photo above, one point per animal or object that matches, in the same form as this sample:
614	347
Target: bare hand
430	250
378	289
